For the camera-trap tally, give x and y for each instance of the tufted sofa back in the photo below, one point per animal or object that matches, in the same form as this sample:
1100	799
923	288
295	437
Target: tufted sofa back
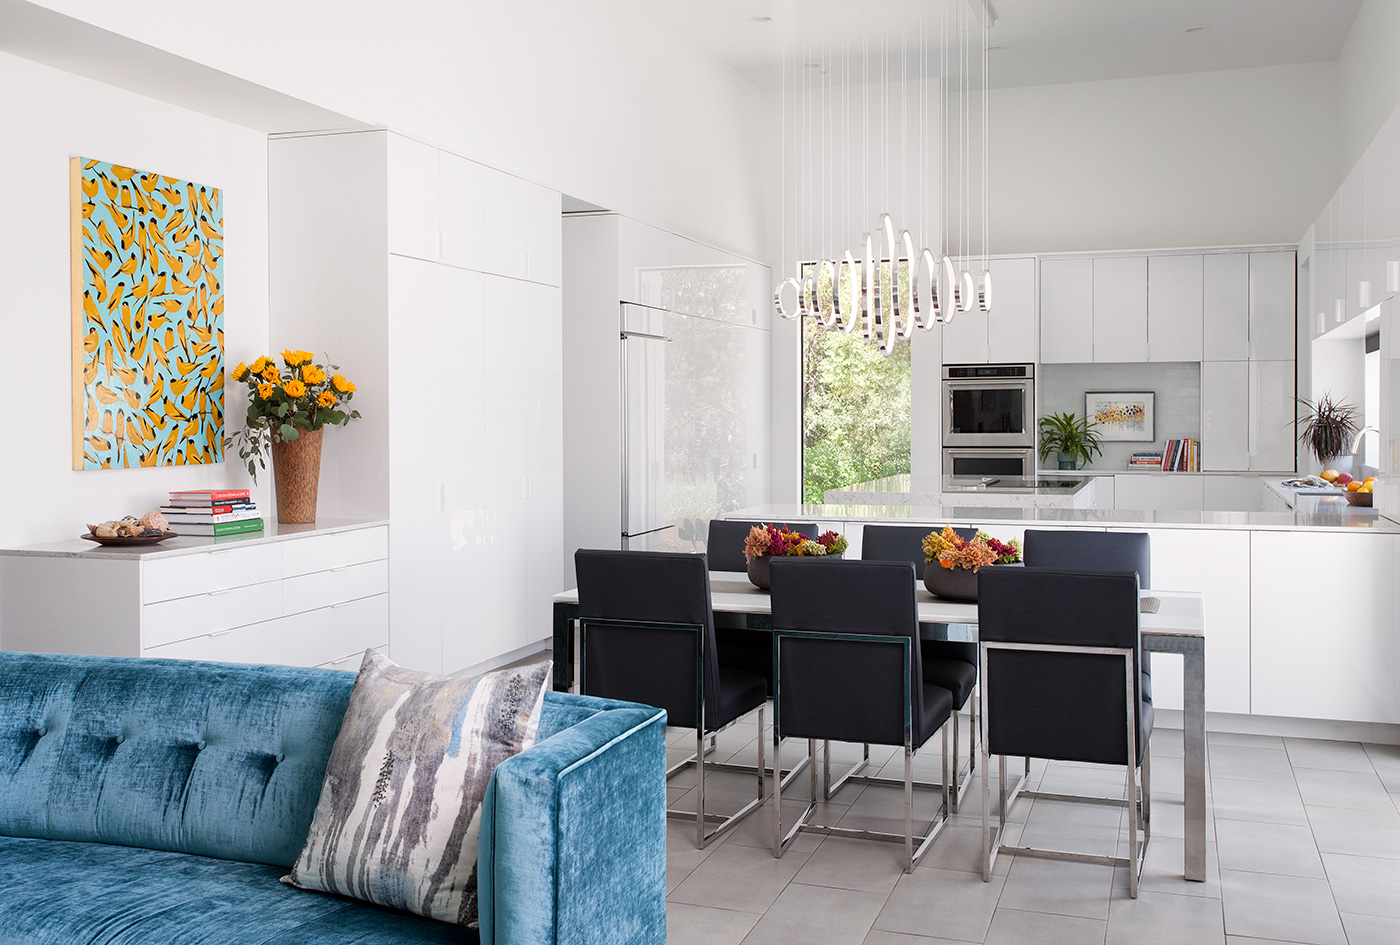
213	759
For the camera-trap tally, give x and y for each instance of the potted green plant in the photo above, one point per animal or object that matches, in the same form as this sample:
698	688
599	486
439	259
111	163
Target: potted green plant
1328	428
1072	437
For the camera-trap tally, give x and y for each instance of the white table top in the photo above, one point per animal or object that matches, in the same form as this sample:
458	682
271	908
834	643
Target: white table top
1182	613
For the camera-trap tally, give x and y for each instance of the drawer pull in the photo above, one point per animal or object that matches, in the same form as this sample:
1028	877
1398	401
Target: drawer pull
344	603
343	567
219	551
219	593
221	633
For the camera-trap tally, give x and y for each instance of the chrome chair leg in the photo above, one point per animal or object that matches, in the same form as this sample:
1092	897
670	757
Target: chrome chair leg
957	724
909	805
699	789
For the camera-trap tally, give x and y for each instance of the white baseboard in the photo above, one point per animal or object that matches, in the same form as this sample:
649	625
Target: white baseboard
1379	733
523	654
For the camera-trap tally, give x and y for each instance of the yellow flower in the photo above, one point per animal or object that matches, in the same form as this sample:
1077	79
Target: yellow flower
240	372
327	399
260	364
342	385
265	390
270	374
294	388
312	374
295	358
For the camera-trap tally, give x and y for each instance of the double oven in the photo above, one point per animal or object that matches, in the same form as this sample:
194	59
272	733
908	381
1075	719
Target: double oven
989	420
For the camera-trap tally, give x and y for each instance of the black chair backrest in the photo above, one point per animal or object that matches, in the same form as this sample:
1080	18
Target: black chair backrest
1090	551
1056	705
900	543
651	663
725	543
847	689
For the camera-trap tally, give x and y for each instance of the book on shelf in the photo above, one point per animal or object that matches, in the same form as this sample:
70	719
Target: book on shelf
209	495
216	529
1181	455
212	516
207	504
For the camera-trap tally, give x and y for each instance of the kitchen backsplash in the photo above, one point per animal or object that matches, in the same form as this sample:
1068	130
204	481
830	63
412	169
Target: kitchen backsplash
1177	384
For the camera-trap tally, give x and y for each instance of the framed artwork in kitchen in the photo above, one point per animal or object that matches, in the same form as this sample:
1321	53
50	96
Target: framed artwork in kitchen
1122	416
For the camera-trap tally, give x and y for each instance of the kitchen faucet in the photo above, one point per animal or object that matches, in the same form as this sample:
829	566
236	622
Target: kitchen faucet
1356	444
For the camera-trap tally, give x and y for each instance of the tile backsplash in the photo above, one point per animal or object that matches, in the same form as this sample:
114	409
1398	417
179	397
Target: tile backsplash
1177	384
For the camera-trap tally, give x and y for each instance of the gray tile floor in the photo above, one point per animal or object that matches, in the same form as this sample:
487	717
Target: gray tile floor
1304	847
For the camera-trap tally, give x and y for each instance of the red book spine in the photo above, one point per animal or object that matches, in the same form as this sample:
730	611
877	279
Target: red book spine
213	495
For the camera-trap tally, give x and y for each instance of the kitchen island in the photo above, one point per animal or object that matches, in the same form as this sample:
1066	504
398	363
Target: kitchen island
1302	607
1037	492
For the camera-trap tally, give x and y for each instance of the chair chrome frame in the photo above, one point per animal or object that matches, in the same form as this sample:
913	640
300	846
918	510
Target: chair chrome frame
962	777
701	817
781	840
1138	802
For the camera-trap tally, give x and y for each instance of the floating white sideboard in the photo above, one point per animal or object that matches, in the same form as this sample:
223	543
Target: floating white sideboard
299	595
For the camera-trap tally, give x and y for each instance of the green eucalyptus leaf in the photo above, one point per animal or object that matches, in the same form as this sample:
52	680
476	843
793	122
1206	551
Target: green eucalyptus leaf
288	433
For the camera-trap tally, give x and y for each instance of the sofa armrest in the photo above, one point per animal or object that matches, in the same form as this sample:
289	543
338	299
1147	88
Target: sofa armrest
573	837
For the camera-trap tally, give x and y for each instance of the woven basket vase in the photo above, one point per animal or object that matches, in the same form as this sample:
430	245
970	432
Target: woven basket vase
296	473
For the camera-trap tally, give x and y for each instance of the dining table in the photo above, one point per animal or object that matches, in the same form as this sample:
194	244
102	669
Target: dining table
1170	622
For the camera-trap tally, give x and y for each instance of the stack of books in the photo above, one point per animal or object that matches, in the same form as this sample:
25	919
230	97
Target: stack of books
1145	461
212	512
1182	456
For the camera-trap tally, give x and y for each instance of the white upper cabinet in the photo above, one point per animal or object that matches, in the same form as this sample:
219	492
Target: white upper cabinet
1120	308
1226	297
1224	415
1066	311
1175	296
413	198
463	233
544	234
965	338
495	223
1011	327
1273	306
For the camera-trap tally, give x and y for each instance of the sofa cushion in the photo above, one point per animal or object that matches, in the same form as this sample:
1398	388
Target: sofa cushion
59	893
213	759
400	810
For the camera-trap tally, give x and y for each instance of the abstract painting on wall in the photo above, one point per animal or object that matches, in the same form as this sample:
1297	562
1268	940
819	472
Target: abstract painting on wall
1129	416
148	303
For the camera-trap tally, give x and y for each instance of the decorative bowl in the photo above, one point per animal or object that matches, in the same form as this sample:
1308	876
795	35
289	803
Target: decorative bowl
760	569
134	540
1362	499
958	584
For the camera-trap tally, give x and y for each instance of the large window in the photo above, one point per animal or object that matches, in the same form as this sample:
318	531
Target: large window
855	400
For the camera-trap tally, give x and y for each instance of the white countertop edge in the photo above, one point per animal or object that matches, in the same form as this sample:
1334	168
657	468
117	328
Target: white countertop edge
1372	523
189	544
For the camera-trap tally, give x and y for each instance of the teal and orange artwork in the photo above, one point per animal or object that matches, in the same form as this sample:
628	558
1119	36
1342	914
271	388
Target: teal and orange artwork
148	304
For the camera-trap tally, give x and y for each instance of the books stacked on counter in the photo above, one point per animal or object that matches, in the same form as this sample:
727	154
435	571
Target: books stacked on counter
1182	456
1145	461
212	512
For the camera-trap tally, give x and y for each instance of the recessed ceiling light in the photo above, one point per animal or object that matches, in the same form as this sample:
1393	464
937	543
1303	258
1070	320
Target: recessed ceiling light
760	19
1196	29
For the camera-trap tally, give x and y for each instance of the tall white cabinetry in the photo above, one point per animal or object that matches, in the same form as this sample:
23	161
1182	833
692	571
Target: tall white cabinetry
1175	296
439	285
1066	311
1009	333
1120	308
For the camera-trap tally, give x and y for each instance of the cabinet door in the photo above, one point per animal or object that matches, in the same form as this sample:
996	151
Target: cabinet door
1158	492
1066	311
1224	415
1011	327
413	198
544	234
1120	309
1272	415
1273	280
965	338
1233	494
1174	308
1226	307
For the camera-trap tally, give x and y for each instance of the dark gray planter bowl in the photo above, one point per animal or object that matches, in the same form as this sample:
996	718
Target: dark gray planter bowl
954	583
760	569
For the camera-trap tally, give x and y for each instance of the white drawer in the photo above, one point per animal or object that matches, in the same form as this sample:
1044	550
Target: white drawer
324	588
309	639
336	550
351	662
186	617
213	570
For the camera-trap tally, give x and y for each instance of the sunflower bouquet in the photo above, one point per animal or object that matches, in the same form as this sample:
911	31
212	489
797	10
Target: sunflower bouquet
282	402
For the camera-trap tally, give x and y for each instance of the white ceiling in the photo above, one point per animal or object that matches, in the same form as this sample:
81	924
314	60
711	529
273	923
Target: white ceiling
1046	41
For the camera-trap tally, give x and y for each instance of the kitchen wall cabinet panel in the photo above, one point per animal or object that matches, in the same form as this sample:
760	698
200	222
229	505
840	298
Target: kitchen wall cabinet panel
1226	307
1233	494
544	247
413	198
1305	587
1157	492
1272	415
1224	415
1175	300
1120	308
1273	281
1012	327
1066	311
965	338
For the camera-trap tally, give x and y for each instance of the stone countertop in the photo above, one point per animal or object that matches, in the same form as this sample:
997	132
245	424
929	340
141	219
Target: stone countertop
188	544
916	485
1326	517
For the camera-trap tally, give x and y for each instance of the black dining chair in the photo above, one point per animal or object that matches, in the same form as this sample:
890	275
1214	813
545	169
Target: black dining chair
1062	680
646	634
951	664
847	668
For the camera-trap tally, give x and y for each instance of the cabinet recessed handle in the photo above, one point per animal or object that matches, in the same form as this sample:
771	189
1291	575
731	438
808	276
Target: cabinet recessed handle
221	633
343	567
219	593
344	603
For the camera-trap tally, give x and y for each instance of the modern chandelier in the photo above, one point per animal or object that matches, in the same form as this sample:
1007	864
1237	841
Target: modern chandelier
827	117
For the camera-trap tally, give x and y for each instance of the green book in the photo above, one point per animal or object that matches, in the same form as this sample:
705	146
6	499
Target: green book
219	528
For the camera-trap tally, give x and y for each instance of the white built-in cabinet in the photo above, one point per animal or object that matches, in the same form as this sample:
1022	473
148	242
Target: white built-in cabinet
1175	297
1225	416
1120	308
1273	302
1226	307
1006	335
1066	310
437	289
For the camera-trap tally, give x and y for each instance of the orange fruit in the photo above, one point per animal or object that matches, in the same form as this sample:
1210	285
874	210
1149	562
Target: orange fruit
1330	475
1366	487
1353	486
1369	479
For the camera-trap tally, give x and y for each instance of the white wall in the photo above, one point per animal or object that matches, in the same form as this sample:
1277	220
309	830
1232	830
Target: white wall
602	100
1368	79
53	117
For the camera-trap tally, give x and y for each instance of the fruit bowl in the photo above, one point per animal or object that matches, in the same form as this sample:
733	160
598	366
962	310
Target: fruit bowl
1361	499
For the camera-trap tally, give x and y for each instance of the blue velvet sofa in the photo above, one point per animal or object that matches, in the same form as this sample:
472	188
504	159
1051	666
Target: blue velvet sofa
159	801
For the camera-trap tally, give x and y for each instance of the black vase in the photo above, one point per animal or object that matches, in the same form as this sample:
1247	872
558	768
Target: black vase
760	568
954	583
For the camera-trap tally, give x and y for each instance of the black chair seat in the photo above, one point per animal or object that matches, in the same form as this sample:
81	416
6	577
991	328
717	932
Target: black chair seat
948	649
738	692
748	651
954	675
937	707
